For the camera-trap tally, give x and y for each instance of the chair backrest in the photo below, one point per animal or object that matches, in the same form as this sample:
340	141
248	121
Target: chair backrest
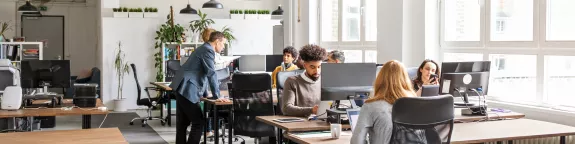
422	119
252	96
139	89
412	72
281	78
172	67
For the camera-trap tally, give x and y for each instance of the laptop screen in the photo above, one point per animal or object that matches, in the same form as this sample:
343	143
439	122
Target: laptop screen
352	115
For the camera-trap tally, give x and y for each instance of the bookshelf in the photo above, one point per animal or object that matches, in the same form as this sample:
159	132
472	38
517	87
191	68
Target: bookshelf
19	51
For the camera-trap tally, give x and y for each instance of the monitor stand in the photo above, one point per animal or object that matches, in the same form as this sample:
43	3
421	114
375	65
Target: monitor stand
465	101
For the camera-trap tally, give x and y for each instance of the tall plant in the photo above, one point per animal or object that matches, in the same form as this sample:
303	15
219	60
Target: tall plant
122	68
199	25
168	32
228	33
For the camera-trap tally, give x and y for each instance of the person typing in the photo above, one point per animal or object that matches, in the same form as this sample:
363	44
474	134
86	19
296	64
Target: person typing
302	93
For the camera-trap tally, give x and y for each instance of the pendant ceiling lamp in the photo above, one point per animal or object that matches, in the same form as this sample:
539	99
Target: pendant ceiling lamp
213	4
278	11
188	10
28	7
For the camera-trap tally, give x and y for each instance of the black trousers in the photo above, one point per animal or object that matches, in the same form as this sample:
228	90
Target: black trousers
186	113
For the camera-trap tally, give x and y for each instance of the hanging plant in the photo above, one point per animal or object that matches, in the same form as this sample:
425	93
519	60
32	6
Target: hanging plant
4	27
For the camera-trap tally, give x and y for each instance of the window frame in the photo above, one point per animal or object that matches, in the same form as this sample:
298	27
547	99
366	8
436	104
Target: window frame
362	44
539	46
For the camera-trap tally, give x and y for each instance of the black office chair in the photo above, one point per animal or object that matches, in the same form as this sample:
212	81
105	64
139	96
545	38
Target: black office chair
172	66
252	96
422	120
151	103
281	78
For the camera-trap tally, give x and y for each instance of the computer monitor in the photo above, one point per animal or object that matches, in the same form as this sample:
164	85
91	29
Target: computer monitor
250	63
346	81
273	61
462	78
45	74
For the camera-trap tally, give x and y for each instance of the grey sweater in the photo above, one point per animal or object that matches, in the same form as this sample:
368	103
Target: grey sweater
299	96
374	120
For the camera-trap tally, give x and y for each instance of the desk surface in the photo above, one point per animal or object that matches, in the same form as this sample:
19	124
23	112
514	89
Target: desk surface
296	126
162	85
84	136
477	132
490	114
343	139
321	125
51	111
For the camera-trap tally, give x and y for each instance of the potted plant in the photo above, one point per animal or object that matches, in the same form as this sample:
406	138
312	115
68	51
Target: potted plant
4	27
236	14
122	68
120	13
198	26
151	12
167	33
229	36
264	14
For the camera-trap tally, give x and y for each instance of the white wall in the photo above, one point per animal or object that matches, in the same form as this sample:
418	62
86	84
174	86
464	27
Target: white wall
8	14
389	30
137	37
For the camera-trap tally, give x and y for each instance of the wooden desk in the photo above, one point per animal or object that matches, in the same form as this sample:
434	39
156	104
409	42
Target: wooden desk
491	115
506	130
35	112
162	85
343	139
478	132
88	136
296	126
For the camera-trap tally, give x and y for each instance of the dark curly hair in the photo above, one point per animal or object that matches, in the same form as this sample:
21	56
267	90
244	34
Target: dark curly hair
312	52
291	51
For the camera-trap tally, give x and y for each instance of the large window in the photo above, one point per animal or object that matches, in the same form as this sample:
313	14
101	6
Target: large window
530	43
350	26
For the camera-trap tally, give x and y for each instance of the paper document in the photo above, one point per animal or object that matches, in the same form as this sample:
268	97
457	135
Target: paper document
320	134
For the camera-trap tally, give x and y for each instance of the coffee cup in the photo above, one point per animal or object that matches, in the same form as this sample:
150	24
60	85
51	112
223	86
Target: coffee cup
335	130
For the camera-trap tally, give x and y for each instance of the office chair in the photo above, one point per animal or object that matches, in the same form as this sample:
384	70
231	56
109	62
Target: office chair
281	78
252	96
172	66
412	72
151	103
422	120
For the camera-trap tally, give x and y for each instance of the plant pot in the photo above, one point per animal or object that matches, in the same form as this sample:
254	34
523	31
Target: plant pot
120	105
150	15
120	14
265	16
236	16
136	15
251	16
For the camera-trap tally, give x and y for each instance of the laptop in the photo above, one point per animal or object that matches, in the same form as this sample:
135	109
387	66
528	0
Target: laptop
429	90
352	115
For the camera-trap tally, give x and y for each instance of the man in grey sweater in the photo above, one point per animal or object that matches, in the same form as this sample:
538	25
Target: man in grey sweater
302	93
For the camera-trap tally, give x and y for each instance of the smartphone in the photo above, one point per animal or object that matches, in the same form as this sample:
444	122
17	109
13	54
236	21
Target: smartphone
433	78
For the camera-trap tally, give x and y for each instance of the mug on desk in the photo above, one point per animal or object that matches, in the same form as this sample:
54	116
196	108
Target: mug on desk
335	130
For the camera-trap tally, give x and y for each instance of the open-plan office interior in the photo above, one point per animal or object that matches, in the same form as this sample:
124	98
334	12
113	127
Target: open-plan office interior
287	71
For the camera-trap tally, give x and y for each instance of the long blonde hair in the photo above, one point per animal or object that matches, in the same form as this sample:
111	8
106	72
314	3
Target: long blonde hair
392	83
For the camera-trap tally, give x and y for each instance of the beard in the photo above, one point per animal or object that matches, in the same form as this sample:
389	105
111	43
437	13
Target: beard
313	77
